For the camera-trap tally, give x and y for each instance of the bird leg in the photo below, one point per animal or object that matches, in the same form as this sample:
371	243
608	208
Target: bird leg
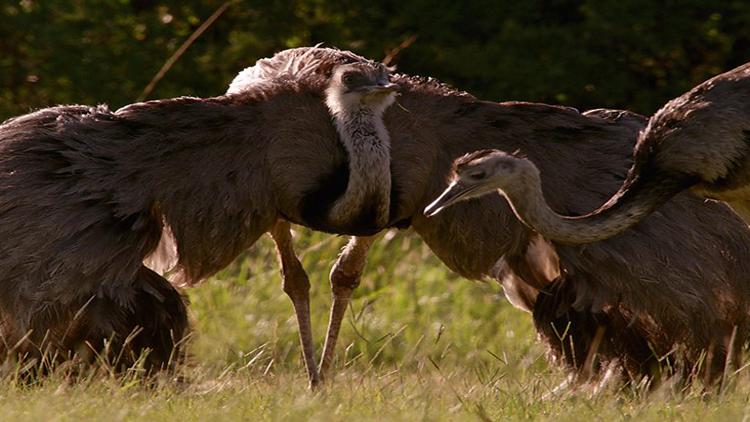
586	372
345	276
296	285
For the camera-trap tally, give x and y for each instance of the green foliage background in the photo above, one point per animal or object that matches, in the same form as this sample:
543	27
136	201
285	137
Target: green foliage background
633	54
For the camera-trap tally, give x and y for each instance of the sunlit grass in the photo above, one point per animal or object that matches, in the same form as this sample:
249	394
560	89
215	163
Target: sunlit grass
419	343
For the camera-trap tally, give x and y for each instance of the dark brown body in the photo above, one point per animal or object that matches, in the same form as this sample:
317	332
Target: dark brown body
85	194
673	279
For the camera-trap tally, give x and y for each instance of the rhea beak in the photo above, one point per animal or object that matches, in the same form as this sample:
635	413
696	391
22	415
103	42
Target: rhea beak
381	88
452	194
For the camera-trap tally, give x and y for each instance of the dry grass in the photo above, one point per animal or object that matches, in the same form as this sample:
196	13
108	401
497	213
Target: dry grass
418	344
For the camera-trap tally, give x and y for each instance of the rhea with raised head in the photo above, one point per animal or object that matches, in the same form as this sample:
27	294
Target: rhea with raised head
357	92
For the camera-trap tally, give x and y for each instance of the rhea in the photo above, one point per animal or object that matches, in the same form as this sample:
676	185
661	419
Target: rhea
357	92
200	179
676	298
518	180
698	141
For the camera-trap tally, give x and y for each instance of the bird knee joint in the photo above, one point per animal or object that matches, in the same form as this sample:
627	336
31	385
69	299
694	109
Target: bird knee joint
294	282
341	281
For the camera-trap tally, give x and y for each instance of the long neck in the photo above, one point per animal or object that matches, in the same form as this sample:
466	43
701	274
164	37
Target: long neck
633	202
368	146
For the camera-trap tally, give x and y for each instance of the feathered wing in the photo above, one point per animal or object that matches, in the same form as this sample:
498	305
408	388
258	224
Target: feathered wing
64	239
698	138
87	194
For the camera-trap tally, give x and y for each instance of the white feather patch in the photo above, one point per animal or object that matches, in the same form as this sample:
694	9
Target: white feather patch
164	258
518	293
542	257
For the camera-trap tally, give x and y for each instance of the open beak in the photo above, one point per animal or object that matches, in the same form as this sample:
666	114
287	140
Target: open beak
381	88
452	194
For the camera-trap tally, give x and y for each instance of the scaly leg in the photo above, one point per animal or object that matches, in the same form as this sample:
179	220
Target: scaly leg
586	372
296	285
345	276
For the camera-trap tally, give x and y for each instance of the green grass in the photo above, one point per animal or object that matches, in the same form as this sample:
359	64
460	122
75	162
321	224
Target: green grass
419	343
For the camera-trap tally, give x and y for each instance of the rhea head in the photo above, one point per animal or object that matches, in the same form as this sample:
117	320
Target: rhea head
360	86
482	172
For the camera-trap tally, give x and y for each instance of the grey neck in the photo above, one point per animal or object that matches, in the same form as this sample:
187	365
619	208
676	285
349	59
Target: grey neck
368	145
610	219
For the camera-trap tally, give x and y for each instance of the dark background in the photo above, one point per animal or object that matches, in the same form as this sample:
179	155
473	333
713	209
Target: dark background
633	54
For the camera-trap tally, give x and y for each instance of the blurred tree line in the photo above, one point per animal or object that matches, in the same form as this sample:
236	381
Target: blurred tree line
633	54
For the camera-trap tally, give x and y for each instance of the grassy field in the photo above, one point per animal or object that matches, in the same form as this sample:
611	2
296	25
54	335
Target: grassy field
419	343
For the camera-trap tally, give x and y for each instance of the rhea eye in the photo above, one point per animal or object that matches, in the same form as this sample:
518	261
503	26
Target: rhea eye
477	175
353	78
